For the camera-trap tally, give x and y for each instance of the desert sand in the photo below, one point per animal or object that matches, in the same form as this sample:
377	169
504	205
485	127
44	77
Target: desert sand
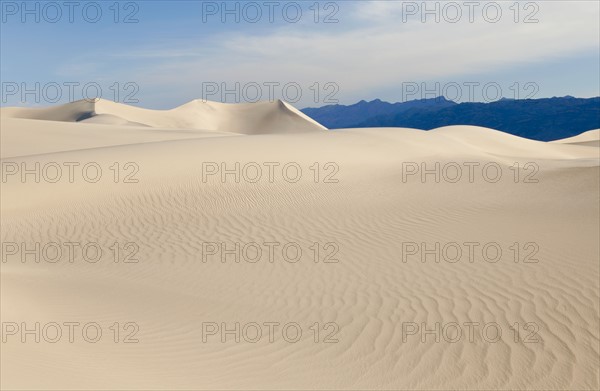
379	314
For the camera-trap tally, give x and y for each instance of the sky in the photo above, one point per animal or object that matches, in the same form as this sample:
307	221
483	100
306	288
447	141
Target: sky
161	54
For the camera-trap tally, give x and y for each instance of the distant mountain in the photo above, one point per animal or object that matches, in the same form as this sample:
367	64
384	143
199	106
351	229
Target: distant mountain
539	119
339	116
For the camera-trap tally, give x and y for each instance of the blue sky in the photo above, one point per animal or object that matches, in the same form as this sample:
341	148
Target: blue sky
176	51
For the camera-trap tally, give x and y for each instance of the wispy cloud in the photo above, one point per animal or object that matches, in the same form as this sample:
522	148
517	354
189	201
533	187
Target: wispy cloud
374	55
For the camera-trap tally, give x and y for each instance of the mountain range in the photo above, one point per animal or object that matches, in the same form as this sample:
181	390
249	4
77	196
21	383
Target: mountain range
544	119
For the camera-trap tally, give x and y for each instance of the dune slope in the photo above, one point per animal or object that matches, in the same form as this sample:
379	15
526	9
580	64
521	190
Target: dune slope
590	138
193	290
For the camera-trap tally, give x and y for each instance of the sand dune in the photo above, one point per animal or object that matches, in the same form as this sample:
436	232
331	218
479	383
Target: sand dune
54	136
358	197
250	118
590	138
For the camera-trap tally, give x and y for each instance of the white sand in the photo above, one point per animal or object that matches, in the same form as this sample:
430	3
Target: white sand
370	294
590	138
250	118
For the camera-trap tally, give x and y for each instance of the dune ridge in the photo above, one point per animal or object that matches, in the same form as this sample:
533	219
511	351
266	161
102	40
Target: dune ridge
248	118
